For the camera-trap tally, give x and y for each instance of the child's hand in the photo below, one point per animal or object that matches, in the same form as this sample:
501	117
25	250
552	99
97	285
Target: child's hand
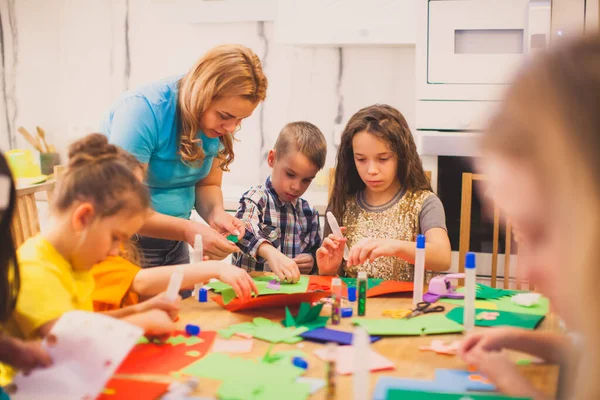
160	302
284	267
501	371
494	339
370	249
23	355
155	323
331	254
240	281
305	263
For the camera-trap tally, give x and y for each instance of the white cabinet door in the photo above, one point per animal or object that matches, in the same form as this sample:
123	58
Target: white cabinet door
476	42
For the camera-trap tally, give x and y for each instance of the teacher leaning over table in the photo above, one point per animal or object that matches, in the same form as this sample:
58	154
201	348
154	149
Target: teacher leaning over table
182	129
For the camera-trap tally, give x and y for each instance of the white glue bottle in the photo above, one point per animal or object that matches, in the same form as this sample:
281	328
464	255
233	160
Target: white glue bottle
469	308
198	253
419	279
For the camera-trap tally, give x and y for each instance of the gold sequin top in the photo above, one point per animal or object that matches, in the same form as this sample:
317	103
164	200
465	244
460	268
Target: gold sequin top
397	219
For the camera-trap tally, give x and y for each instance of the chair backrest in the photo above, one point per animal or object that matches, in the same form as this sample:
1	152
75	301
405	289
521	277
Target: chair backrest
465	234
26	220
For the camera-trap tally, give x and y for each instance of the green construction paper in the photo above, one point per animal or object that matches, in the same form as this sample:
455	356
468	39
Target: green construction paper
218	286
401	394
486	292
505	318
506	304
371	282
262	282
193	353
307	317
432	324
267	330
235	390
235	369
233	238
283	390
180	339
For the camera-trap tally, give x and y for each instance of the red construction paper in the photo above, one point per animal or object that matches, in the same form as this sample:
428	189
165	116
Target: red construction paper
385	287
274	300
127	389
151	358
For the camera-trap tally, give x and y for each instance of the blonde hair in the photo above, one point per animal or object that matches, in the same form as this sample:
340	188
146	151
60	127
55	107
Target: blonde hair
224	71
305	138
550	121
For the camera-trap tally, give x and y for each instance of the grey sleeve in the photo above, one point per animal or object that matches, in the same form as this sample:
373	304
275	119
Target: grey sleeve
432	214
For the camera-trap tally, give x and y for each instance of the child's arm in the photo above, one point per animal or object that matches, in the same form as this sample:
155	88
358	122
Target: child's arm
437	250
258	242
150	281
550	347
158	302
307	260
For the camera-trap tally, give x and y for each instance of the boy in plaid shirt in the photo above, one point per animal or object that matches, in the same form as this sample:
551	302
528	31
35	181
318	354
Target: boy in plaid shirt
282	229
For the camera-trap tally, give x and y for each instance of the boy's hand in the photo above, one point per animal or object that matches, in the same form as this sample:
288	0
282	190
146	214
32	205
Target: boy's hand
284	267
305	263
491	340
240	281
23	355
370	249
331	254
160	302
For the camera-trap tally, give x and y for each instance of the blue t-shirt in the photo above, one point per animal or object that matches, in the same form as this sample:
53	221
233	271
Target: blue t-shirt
145	123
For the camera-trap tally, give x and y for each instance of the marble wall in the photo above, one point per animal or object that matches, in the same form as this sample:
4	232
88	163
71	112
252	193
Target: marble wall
64	61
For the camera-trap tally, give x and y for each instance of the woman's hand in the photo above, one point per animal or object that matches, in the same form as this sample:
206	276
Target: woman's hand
216	247
226	224
241	283
370	249
331	254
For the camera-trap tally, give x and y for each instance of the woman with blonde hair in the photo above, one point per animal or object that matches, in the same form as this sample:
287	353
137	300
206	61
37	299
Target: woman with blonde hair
182	129
542	158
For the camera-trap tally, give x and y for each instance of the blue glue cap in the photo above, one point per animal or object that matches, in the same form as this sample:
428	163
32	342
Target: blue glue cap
300	362
470	261
346	312
420	241
192	329
352	293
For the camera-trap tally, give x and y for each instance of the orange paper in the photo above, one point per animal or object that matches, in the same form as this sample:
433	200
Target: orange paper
275	300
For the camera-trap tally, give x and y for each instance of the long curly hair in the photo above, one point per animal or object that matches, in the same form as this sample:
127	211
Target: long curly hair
385	123
9	270
224	71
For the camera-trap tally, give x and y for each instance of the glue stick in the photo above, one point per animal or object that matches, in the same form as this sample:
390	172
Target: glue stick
419	270
362	282
335	228
330	369
469	308
361	342
174	283
198	253
336	308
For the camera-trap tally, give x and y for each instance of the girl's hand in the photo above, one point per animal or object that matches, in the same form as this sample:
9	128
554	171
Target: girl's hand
494	339
331	254
216	247
226	224
160	302
305	263
370	249
284	267
156	323
243	285
23	355
502	372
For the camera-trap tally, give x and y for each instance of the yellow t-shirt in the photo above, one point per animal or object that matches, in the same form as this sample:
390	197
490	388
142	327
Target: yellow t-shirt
113	278
49	288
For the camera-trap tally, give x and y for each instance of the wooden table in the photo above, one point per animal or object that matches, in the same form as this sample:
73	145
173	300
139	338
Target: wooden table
404	351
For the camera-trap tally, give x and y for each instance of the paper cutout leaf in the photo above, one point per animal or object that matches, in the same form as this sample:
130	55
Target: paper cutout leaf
267	330
308	317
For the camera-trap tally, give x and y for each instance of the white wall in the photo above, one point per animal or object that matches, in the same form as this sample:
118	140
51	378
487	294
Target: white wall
71	58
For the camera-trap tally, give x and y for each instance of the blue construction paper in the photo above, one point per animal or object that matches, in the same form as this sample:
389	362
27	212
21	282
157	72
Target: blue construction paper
386	383
325	335
460	380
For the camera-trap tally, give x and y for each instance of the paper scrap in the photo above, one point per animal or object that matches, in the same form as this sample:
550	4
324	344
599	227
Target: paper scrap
188	341
441	347
193	353
316	384
345	359
526	299
232	346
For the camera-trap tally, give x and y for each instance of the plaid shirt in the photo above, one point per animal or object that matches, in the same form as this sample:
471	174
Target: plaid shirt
293	229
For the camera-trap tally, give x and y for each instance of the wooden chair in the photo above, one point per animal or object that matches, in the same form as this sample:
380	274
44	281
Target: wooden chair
26	220
465	233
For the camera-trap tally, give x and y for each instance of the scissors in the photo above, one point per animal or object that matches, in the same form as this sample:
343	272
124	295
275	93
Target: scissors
424	308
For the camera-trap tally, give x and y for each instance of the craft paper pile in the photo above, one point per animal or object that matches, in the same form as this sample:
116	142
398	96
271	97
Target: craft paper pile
265	329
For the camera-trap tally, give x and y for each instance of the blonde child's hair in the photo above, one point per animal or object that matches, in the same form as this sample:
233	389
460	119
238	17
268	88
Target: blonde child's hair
305	138
550	121
97	174
224	71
